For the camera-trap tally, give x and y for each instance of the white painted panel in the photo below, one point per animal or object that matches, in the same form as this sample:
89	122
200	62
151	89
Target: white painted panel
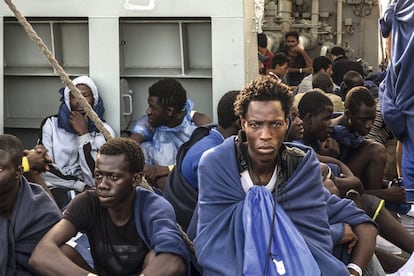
104	65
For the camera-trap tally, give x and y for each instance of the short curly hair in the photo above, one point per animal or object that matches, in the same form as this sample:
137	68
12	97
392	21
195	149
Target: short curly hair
225	109
170	92
358	96
280	59
263	88
11	144
262	40
130	148
314	102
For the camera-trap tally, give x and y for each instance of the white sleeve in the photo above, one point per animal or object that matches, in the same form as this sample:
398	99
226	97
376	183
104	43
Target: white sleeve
88	146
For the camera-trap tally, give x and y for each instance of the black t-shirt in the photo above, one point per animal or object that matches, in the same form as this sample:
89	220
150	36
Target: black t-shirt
297	61
341	66
116	250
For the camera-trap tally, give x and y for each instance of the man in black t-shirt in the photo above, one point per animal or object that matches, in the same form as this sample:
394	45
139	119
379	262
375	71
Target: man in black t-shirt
300	62
131	230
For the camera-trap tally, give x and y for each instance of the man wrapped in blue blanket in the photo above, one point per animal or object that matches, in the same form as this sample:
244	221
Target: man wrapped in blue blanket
26	211
241	231
396	91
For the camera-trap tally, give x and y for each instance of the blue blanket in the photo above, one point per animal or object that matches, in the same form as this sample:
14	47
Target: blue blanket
220	236
156	226
347	140
34	213
397	90
273	254
64	113
162	234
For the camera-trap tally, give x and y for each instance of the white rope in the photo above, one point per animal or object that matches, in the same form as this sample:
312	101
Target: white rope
59	70
65	78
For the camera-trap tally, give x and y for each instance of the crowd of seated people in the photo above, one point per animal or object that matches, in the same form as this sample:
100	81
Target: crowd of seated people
123	233
315	109
265	167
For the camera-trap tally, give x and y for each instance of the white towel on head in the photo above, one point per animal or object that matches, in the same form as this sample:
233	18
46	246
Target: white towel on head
86	81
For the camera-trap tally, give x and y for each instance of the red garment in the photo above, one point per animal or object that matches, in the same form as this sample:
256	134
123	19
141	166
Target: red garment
268	62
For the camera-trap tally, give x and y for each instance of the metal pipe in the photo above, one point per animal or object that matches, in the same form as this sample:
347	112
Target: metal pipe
285	8
315	21
339	22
